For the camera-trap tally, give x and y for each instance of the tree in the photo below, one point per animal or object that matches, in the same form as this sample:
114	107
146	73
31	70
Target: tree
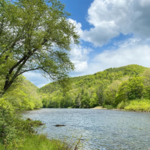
34	35
123	93
102	85
111	92
146	74
135	88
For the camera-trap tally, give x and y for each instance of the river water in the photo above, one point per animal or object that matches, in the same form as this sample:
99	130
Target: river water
98	129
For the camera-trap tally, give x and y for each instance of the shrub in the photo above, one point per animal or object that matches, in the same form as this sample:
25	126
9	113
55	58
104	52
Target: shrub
122	105
139	105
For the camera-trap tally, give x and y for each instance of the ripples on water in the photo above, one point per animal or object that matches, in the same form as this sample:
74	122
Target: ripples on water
98	129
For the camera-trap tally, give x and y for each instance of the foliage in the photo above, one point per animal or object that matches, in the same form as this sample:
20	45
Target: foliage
122	105
112	88
34	35
136	88
139	105
8	131
111	92
21	96
40	142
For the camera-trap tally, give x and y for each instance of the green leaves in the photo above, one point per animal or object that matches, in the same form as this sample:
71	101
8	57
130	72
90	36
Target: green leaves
114	87
37	37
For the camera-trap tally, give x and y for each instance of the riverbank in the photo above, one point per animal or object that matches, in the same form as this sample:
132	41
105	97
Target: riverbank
134	105
100	107
38	142
30	140
41	142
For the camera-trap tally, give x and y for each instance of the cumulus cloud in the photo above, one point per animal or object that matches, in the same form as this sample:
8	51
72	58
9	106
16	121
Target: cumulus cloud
36	78
77	25
79	56
132	51
112	17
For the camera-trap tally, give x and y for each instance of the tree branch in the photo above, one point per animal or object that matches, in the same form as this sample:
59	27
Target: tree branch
28	70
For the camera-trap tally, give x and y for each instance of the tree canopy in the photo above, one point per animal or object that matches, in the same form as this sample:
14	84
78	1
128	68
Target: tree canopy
111	88
34	35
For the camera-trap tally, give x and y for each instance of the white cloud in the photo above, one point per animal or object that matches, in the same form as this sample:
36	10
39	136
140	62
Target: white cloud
36	78
79	56
77	25
132	51
112	17
80	66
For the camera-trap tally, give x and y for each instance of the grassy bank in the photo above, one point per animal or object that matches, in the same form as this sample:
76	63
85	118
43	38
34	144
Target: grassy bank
27	139
139	105
39	142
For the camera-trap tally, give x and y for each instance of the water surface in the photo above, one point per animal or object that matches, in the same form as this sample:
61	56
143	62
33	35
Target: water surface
98	129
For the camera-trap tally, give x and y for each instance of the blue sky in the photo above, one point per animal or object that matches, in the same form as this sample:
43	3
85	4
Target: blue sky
113	33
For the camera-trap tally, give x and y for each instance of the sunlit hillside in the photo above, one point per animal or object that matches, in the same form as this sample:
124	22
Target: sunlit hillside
111	88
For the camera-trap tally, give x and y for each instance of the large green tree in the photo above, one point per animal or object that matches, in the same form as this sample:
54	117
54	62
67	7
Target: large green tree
34	35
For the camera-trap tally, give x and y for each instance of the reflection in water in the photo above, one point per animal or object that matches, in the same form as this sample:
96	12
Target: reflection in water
98	129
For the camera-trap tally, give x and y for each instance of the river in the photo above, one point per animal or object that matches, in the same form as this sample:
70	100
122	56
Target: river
98	129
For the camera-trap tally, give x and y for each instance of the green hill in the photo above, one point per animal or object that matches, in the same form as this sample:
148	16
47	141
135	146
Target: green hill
88	80
23	95
111	88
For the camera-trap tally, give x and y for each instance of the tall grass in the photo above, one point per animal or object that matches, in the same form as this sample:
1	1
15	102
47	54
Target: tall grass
41	142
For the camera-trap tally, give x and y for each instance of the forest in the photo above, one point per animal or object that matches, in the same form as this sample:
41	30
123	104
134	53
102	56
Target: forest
125	87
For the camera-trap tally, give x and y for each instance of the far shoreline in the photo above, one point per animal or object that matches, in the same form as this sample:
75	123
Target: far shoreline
100	107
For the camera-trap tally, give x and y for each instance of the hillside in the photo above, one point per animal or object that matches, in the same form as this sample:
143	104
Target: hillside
23	95
111	88
108	74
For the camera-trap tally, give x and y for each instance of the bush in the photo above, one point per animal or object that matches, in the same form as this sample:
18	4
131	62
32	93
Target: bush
139	105
122	105
108	106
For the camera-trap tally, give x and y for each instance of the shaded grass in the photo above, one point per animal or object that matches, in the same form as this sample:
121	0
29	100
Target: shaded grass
1	146
108	106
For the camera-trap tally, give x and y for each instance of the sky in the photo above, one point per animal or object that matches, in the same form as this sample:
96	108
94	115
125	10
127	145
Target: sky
113	33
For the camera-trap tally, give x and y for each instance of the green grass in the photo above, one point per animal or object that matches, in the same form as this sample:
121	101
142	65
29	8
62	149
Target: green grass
1	146
26	139
139	105
40	142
